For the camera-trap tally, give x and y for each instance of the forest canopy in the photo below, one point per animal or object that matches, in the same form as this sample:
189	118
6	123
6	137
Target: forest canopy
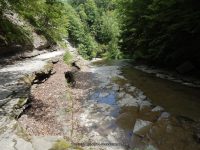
163	32
160	32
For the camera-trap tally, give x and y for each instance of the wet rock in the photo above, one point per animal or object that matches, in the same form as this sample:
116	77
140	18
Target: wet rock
126	120
103	94
164	115
121	94
127	85
128	102
140	126
131	89
128	96
116	88
145	105
157	109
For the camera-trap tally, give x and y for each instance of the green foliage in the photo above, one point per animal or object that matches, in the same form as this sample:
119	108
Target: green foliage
47	16
12	34
67	57
163	32
94	28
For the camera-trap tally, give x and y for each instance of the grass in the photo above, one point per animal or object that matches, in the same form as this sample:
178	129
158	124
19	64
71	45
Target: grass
67	57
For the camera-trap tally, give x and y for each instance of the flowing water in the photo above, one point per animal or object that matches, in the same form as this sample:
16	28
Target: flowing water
141	110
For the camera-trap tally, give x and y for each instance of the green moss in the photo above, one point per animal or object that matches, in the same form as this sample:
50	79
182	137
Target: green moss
21	102
63	145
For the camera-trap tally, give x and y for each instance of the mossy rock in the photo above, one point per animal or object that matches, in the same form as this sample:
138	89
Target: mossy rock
28	79
21	103
64	145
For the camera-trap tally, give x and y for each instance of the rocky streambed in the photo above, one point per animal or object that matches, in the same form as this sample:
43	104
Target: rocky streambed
121	113
112	106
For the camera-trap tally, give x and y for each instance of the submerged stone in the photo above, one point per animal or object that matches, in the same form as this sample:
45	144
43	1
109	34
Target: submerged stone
164	115
141	125
103	94
157	109
128	102
145	105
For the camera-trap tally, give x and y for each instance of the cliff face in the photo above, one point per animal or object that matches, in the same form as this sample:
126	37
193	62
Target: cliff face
18	35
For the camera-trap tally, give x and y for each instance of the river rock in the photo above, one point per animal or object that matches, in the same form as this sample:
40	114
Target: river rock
116	87
55	60
145	105
131	89
128	102
141	125
121	94
164	115
103	94
157	109
127	85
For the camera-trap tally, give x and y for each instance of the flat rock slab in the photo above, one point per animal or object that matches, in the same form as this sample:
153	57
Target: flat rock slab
9	137
44	142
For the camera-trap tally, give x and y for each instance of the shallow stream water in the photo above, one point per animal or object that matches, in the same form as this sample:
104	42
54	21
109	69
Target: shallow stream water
139	110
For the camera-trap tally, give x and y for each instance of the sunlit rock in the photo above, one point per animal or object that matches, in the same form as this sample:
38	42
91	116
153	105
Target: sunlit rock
141	125
157	109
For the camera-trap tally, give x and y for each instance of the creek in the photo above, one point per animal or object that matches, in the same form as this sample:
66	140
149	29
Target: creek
140	110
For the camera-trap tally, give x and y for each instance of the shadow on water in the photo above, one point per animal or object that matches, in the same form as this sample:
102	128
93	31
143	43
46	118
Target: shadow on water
177	99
